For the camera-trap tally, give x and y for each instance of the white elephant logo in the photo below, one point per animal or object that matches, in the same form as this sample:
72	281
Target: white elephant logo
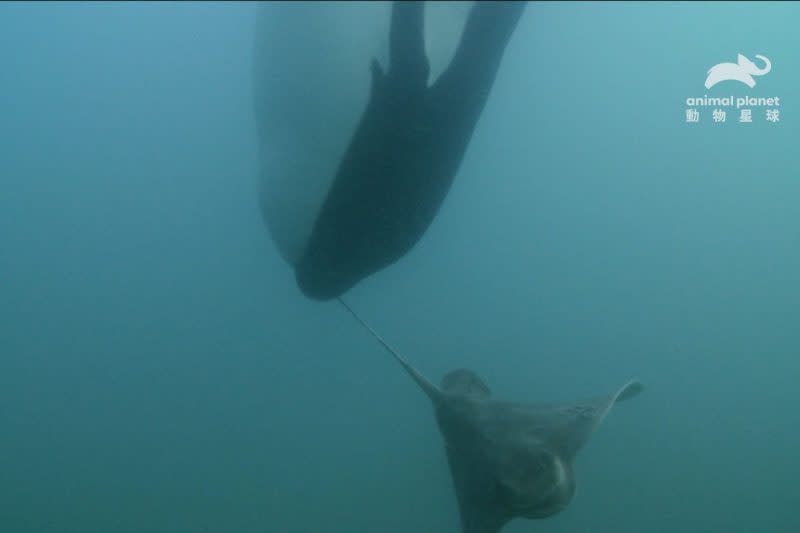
742	71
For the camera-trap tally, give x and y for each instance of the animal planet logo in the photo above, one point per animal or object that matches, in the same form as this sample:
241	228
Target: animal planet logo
742	71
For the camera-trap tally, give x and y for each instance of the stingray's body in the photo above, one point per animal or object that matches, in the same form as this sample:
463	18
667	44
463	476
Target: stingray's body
512	460
509	460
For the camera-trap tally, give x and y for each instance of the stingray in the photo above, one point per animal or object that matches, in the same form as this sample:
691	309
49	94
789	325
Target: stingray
396	163
508	460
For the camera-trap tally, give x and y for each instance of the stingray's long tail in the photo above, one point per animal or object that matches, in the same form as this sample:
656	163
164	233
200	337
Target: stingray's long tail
430	389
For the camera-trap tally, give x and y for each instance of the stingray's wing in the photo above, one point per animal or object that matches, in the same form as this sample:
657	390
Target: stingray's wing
571	425
462	405
475	488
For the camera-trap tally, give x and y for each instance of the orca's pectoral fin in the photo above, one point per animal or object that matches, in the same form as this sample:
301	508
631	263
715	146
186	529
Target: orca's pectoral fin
408	63
468	79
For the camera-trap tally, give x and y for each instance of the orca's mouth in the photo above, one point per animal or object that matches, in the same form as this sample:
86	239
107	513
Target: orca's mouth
323	279
319	285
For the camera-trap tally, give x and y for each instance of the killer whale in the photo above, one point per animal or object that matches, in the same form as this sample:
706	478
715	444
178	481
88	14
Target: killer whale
396	168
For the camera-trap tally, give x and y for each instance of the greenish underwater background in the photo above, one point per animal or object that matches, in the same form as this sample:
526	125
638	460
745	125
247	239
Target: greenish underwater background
161	372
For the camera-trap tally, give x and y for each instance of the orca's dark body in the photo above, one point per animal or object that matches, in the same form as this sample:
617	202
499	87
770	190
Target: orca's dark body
406	149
